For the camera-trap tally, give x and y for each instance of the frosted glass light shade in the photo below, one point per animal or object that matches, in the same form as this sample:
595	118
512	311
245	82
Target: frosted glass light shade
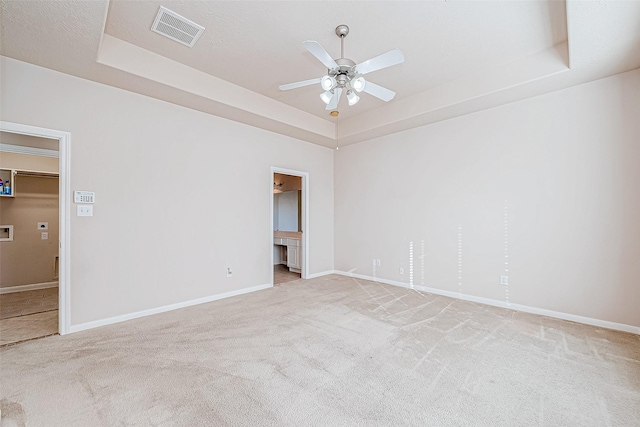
328	82
358	84
353	98
326	96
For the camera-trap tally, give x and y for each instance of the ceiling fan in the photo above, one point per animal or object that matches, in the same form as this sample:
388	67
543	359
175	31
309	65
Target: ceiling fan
344	74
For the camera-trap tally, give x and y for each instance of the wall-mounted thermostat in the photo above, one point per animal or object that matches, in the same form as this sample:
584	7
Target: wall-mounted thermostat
84	196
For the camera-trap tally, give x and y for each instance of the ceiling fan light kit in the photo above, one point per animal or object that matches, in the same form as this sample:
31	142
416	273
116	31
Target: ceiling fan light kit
358	84
326	96
328	82
345	74
352	98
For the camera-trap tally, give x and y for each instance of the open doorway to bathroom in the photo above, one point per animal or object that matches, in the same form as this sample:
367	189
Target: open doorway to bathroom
29	237
289	208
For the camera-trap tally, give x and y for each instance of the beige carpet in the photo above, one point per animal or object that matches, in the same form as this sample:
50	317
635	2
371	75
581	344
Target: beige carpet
331	351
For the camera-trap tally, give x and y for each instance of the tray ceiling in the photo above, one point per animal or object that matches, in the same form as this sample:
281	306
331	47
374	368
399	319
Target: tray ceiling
461	56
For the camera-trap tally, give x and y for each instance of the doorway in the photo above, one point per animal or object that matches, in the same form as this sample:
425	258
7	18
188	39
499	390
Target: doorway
289	225
29	235
40	187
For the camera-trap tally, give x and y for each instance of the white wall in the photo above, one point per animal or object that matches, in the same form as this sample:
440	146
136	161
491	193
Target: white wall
287	210
177	197
564	166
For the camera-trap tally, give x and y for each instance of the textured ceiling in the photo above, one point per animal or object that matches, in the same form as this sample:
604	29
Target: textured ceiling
258	45
461	56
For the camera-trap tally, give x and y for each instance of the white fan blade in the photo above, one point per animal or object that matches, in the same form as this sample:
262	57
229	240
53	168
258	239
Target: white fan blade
393	57
379	91
319	52
301	84
333	104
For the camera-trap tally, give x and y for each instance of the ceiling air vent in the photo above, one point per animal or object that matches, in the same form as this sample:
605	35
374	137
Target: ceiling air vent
176	27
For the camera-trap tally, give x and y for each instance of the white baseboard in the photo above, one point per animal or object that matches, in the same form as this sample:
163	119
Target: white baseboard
143	313
32	287
322	273
496	303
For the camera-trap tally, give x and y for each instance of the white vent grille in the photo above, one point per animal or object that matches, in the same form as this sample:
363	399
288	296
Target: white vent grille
176	27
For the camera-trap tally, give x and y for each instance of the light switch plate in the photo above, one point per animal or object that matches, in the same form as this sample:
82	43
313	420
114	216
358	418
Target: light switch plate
85	210
43	226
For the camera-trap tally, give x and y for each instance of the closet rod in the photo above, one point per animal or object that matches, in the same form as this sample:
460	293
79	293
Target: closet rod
35	174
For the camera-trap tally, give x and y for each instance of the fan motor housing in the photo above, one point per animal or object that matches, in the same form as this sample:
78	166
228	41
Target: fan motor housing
344	72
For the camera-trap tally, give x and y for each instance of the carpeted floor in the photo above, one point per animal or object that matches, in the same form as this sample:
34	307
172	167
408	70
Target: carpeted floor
331	351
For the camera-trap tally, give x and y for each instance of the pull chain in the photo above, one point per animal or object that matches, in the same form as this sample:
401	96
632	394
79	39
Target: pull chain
335	114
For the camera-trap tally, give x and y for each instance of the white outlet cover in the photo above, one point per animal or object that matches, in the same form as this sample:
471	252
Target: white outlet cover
43	226
44	236
504	280
85	210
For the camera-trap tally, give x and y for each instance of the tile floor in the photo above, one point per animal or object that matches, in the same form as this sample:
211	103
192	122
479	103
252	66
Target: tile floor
281	274
28	315
28	302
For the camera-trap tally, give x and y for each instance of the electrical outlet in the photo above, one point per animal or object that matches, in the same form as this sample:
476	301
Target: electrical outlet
504	280
401	271
44	236
229	272
378	262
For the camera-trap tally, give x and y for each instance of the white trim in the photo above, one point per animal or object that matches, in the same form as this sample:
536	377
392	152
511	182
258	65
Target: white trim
64	182
322	273
30	151
305	217
163	309
32	287
496	303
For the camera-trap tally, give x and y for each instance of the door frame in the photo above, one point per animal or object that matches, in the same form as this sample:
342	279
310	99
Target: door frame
305	218
64	213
